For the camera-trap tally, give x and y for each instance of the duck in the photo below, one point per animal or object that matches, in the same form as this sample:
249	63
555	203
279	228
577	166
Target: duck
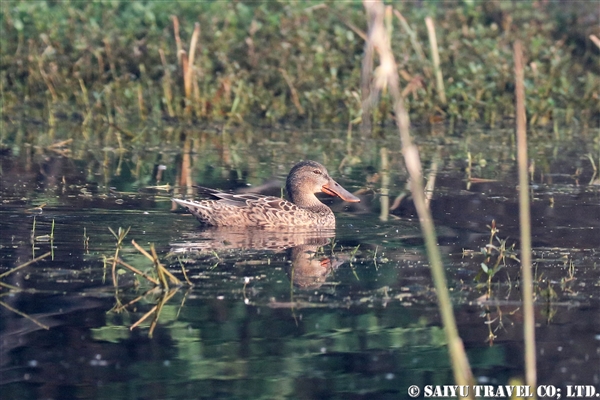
302	210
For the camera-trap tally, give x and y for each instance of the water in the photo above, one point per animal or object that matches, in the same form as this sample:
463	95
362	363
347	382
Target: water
349	313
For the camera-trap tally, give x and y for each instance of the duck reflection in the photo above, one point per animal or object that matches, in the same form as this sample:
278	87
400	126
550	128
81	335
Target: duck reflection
310	267
308	263
218	240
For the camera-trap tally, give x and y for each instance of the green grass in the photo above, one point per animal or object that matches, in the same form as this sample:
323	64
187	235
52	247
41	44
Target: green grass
99	62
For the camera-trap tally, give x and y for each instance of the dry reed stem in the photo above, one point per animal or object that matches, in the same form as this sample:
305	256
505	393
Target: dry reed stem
137	271
156	310
189	72
366	73
198	103
100	59
22	314
162	268
141	106
184	68
88	109
163	300
186	164
167	84
26	264
430	186
108	105
295	98
119	238
177	38
183	271
11	287
140	297
161	271
123	131
111	61
162	279
184	65
141	250
414	41
84	95
525	221
143	318
385	184
435	56
345	21
47	80
389	77
124	306
57	145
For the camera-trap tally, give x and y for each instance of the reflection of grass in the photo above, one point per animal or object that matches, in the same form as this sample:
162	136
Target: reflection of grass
352	259
26	264
12	288
3	304
565	281
41	238
86	241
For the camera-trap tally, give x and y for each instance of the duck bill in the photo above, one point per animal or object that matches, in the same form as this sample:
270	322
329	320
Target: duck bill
333	188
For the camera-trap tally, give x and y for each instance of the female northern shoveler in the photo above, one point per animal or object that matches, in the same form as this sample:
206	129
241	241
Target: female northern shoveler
304	210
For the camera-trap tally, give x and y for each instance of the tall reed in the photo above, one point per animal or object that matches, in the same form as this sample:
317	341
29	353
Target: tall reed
388	77
525	220
435	58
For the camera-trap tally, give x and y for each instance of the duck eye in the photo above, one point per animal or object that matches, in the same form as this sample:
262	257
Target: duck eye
317	172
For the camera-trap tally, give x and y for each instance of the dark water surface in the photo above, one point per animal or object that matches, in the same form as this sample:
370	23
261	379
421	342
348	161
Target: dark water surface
344	314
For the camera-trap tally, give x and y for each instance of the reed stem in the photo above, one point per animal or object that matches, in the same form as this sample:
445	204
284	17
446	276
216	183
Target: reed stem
294	93
177	38
382	43
435	57
525	221
167	84
385	185
365	86
189	69
414	40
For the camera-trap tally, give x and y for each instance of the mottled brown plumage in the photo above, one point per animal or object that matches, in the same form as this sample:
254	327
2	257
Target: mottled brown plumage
304	210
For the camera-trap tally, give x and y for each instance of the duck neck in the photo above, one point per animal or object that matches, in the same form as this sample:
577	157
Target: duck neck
309	202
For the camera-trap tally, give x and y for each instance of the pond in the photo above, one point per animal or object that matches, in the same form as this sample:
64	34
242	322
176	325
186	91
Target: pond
344	313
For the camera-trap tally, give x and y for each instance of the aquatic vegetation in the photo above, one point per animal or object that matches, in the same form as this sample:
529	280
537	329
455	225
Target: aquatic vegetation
106	63
159	289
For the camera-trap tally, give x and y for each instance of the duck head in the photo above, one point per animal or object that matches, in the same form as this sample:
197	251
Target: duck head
309	177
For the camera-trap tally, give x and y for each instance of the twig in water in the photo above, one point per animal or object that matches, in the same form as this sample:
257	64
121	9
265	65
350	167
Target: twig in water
26	264
24	315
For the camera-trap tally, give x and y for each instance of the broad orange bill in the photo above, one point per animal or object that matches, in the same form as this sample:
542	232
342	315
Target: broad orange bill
333	188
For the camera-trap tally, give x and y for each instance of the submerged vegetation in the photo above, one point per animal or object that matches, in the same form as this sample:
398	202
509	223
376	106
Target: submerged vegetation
111	63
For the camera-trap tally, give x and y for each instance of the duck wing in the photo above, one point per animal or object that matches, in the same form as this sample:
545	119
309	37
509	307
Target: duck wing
249	200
